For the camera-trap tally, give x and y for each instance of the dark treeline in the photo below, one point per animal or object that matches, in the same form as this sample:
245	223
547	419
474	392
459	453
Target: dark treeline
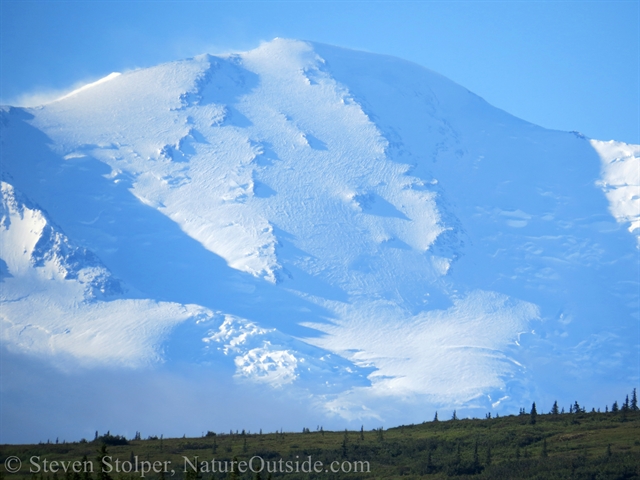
571	443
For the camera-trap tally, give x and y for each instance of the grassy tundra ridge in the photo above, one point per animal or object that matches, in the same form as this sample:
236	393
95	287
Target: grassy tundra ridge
565	445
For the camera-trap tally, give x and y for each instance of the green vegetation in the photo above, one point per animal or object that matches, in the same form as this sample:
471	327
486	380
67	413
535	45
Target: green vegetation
575	445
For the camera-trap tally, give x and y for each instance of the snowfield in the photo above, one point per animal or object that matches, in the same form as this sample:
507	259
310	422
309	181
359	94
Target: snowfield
621	181
346	232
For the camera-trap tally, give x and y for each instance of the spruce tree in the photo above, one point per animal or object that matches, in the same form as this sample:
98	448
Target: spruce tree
554	409
344	445
614	407
634	401
86	472
488	461
454	417
435	418
458	458
476	459
102	454
534	414
234	469
429	466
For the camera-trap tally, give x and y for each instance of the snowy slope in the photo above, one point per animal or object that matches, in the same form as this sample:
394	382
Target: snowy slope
621	181
59	300
346	227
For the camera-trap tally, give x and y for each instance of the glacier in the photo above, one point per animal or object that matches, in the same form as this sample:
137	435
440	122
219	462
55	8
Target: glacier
305	235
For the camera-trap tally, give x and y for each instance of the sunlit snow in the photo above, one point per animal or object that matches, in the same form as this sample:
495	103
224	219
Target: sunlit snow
337	226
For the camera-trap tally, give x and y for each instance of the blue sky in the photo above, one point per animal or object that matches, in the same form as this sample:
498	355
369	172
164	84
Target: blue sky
569	65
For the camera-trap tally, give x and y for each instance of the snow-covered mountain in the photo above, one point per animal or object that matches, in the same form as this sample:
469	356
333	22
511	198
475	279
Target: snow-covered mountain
341	231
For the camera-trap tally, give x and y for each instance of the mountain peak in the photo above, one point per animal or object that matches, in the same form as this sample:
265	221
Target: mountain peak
343	226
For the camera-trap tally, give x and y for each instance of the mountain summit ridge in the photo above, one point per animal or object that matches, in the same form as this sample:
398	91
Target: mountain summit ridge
340	226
